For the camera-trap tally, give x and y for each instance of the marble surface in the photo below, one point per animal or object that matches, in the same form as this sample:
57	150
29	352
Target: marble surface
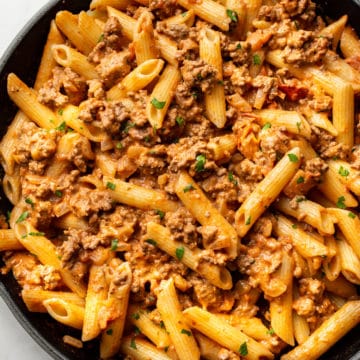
15	343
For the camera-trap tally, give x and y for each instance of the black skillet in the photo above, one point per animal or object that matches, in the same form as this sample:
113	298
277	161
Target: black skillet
22	57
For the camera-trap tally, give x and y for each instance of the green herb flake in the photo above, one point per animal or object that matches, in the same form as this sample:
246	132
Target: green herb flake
256	59
36	233
294	226
300	199
232	15
137	330
160	213
293	158
231	178
119	145
24	236
271	331
186	332
30	202
151	242
248	221
101	38
109	332
200	163
147	138
343	172
266	126
195	95
188	187
133	343
238	46
243	350
114	244
135	316
296	24
180	120
298	125
22	217
162	325
61	112
300	180
184	14
158	104
61	127
341	202
110	185
179	252
58	193
351	215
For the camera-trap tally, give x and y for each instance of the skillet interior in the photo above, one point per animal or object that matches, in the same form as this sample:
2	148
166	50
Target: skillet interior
22	57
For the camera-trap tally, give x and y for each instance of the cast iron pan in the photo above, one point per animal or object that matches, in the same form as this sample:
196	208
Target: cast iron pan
23	58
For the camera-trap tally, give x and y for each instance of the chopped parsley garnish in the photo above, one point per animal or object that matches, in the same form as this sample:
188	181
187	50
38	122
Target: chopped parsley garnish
200	163
293	158
343	172
151	242
188	187
36	233
294	226
109	332
22	217
231	178
133	343
162	325
61	127
300	180
135	316
341	202
101	38
300	199
184	14
30	202
114	244
238	46
266	126
243	350
351	215
179	252
271	331
160	213
232	15
186	332
248	221
110	185
61	112
158	104
58	193
119	145
180	120
298	125
256	59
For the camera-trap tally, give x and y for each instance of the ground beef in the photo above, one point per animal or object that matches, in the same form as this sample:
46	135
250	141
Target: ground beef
113	67
313	304
183	226
238	51
305	47
107	115
327	147
355	157
64	87
111	40
198	74
209	296
175	31
31	274
88	201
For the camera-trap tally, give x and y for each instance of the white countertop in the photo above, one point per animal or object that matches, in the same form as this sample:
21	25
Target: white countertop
15	343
